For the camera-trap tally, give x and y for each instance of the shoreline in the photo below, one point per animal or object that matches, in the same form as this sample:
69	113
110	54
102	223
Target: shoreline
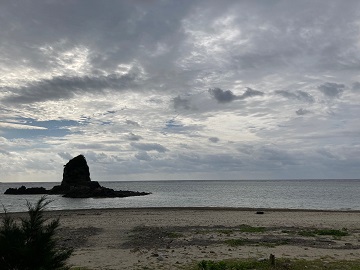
207	208
160	238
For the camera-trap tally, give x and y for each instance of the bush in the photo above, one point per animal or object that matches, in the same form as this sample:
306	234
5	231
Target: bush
31	244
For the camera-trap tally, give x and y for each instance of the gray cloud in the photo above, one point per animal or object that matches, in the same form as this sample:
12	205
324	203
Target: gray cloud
132	137
214	139
250	93
305	96
65	87
355	86
326	154
302	111
227	96
150	147
299	95
179	102
332	90
280	157
117	37
4	152
143	155
222	96
133	123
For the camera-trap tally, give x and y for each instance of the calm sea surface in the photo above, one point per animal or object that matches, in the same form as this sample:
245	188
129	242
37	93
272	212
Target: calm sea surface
293	194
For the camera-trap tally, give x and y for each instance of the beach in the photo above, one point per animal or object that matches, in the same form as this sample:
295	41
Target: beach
163	238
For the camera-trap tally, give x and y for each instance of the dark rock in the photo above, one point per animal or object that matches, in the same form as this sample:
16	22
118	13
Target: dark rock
76	171
76	183
100	192
24	190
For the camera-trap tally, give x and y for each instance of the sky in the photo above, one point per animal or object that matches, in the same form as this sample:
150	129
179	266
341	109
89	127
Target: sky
167	90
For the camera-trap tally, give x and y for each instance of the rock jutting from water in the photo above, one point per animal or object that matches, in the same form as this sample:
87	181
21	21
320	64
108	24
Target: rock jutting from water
76	183
25	190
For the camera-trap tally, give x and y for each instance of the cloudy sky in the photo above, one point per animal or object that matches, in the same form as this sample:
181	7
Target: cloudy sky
180	89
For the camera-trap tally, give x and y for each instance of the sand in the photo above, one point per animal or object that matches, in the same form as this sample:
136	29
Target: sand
168	238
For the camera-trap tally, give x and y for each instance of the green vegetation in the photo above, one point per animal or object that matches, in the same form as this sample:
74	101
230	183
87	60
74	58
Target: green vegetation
251	229
31	244
275	243
308	233
231	264
331	232
227	232
281	264
174	235
236	242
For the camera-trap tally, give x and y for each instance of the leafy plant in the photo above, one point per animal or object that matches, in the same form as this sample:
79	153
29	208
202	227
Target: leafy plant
31	244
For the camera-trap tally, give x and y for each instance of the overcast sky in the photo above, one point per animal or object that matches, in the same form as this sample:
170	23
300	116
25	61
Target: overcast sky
156	90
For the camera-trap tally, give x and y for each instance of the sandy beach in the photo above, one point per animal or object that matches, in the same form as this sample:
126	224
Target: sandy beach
164	238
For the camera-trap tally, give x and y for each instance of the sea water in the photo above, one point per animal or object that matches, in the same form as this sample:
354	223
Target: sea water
291	194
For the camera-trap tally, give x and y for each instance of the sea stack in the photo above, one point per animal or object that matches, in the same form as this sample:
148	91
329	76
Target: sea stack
76	171
76	183
76	180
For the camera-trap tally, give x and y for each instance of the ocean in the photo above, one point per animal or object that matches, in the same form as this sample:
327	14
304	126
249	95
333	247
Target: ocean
290	194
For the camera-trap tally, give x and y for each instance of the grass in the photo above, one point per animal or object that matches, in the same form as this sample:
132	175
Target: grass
251	229
223	265
307	233
253	242
330	232
201	232
236	242
227	232
174	235
281	264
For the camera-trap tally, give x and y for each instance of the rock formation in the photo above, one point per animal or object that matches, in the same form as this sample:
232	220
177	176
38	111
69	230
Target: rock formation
24	190
76	183
76	179
76	171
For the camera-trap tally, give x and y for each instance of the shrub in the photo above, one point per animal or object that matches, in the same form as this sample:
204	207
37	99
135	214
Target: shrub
31	244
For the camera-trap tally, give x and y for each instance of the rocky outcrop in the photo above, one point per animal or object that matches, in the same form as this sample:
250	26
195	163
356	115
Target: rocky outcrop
24	190
101	192
76	183
76	179
76	171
